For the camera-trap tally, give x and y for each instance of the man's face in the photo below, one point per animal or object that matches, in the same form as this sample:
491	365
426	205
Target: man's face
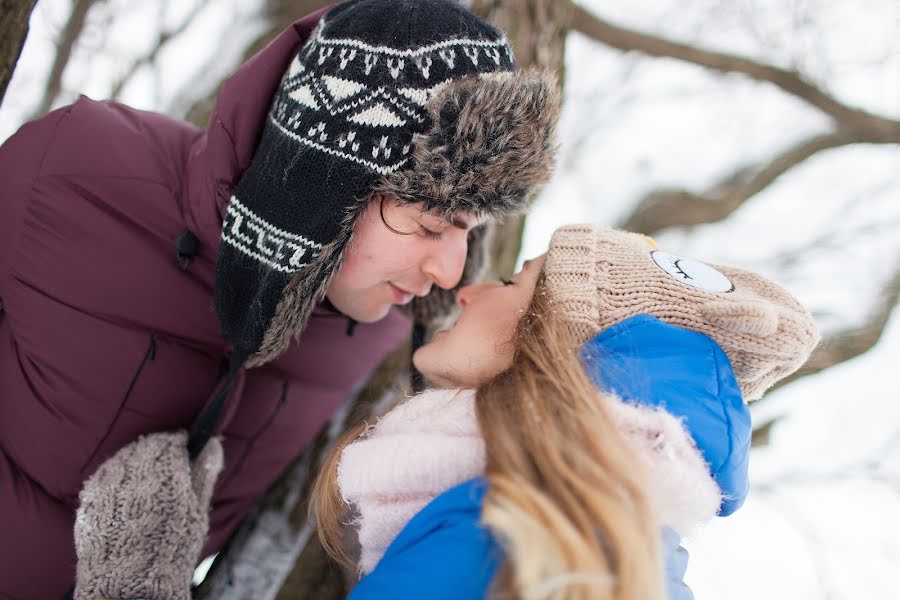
393	259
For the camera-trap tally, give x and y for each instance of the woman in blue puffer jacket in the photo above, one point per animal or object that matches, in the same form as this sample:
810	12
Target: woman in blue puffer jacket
593	412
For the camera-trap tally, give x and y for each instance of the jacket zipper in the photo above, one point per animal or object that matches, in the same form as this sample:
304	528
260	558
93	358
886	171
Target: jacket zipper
149	356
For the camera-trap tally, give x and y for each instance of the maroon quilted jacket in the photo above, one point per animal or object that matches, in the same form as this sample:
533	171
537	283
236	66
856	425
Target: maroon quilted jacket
103	335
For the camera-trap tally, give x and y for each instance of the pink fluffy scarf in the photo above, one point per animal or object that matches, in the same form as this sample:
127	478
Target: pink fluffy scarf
432	442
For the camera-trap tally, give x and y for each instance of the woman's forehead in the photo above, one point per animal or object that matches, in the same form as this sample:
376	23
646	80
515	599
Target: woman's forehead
534	263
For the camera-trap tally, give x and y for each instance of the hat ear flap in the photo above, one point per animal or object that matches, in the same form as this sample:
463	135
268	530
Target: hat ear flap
751	318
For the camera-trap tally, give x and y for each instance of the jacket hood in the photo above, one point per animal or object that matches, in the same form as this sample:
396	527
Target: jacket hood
649	363
223	151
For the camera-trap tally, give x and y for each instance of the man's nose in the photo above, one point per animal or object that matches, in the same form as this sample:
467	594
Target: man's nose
444	265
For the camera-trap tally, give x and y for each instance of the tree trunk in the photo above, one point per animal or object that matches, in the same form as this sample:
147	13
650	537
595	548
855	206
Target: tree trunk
14	16
536	30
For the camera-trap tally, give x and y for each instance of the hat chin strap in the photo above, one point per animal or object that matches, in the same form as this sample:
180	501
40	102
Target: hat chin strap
206	423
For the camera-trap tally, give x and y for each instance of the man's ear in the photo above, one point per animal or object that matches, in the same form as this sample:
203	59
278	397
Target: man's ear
754	318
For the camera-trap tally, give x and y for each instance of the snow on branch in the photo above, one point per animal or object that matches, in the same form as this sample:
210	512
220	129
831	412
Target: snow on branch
671	207
664	208
792	82
162	39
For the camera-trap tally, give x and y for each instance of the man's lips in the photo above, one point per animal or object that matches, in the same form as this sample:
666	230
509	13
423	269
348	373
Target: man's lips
401	296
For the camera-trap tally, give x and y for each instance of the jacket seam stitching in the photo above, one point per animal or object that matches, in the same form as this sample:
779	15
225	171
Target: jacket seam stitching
14	250
724	414
148	357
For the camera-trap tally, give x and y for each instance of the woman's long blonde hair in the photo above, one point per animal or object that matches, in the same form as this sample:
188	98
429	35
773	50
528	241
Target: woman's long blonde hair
566	498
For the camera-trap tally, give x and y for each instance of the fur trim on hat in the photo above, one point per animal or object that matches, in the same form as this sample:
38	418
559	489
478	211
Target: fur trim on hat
491	143
492	161
681	490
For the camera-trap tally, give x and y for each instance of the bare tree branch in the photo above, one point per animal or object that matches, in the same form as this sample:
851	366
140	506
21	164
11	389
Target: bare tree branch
762	432
854	341
849	343
840	347
834	241
682	208
163	38
14	16
874	127
67	38
278	14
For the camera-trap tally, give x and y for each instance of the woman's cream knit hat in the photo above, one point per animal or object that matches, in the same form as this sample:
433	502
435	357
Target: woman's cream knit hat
599	277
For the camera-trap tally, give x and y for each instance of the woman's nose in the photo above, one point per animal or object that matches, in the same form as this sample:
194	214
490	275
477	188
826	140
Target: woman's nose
468	293
464	296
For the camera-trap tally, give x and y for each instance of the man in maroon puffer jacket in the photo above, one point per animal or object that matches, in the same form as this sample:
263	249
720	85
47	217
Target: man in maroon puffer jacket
350	165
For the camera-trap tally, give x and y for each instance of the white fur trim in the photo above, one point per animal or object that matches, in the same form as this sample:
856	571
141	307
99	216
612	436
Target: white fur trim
682	491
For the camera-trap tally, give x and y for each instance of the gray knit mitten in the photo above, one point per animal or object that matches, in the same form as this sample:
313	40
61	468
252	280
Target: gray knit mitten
143	519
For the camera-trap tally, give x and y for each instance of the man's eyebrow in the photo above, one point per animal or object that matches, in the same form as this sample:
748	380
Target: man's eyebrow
460	223
454	220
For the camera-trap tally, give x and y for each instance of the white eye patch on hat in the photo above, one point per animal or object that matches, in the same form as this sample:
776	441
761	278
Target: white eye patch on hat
692	272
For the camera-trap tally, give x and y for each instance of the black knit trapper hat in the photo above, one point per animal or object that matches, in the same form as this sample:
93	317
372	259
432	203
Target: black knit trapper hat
418	99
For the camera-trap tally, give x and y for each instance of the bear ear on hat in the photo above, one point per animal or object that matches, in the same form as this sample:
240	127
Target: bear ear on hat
753	318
